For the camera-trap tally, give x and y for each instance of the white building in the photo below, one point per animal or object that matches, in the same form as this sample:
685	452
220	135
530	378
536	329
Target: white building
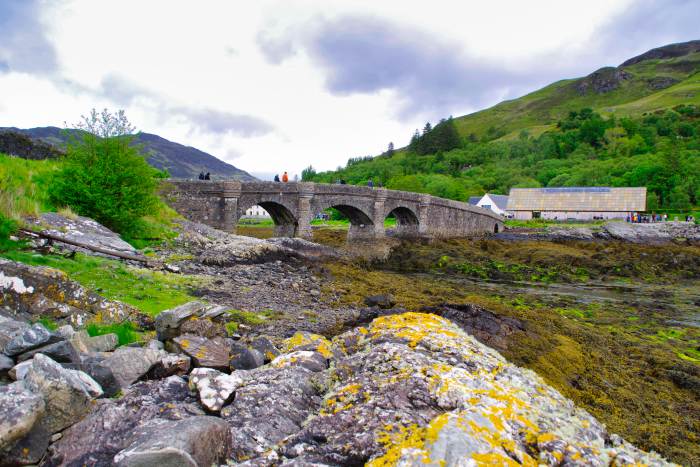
496	203
256	212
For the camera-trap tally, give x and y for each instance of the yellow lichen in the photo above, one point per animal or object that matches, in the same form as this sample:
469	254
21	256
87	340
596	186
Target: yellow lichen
319	343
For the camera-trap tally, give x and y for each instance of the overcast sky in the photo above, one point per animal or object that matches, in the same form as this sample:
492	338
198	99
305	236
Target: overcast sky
278	85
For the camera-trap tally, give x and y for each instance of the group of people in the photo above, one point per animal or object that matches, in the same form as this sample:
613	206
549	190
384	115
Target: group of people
637	218
285	178
203	176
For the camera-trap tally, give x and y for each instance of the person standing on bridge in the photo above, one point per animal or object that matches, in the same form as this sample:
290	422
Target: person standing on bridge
285	177
370	183
277	178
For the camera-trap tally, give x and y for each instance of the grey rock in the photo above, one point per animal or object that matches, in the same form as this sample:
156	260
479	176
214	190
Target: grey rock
312	361
130	363
19	371
65	332
9	328
62	352
168	322
94	368
28	339
113	423
244	358
67	393
271	405
383	301
208	353
203	327
155	344
171	268
6	364
196	441
265	346
20	409
215	388
28	450
169	365
103	343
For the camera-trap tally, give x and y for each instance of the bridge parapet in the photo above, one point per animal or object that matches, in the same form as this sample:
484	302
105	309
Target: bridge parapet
292	206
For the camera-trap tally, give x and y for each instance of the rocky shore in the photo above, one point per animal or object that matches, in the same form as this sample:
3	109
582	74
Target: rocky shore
322	385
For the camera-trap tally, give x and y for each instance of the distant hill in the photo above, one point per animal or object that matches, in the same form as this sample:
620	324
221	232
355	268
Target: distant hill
637	124
658	79
180	161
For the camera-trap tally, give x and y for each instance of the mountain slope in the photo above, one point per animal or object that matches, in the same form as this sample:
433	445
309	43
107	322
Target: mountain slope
180	161
658	79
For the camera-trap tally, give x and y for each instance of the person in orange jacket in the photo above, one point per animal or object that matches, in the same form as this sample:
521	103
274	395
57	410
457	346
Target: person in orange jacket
285	177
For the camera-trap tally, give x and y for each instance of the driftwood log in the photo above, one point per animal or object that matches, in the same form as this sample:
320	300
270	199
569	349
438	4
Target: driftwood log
96	249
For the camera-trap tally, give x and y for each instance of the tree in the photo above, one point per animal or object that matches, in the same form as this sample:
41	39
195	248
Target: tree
390	149
104	175
308	174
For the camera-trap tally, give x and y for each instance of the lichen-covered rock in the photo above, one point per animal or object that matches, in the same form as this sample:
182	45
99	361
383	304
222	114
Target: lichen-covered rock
20	409
103	343
9	328
272	404
168	322
312	361
19	371
29	449
265	346
6	364
215	388
419	391
30	292
28	339
208	353
130	363
203	327
68	394
194	442
112	425
309	341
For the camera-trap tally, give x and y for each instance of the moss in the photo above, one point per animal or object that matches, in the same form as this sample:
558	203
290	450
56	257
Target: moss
126	332
252	318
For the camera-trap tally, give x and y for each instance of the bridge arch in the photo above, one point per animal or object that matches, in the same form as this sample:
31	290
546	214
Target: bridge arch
407	223
361	223
284	218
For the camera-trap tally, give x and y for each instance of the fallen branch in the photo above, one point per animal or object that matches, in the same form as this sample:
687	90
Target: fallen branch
96	249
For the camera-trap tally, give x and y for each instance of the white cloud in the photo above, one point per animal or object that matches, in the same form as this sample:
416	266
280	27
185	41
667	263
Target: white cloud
243	81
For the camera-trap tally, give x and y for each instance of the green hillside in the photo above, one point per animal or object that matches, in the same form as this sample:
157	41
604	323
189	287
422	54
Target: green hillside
633	125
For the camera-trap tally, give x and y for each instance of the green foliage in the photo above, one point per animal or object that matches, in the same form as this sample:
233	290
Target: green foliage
443	137
584	149
48	323
251	318
23	186
108	180
125	331
7	228
149	291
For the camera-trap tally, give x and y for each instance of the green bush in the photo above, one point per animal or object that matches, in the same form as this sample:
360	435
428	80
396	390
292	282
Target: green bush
105	176
7	228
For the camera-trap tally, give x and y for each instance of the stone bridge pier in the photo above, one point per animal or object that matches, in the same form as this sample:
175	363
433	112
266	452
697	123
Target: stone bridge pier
293	206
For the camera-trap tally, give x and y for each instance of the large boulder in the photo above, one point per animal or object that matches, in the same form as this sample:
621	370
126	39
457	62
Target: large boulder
272	404
209	353
654	234
113	424
131	363
68	394
215	389
20	409
312	361
265	346
31	292
62	352
194	442
9	328
196	318
245	358
28	339
170	365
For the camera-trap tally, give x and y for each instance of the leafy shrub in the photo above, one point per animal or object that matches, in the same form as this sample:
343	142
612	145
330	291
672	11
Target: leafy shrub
106	177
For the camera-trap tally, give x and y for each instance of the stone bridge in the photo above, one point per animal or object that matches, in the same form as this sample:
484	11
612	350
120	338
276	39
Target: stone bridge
292	206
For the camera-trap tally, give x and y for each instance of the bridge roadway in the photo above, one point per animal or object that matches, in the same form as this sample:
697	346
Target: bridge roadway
293	205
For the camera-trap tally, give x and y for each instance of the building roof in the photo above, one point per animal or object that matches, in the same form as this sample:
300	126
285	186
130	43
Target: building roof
474	200
595	198
501	201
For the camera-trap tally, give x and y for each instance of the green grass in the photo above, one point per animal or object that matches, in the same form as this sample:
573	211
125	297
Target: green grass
23	186
250	318
149	291
126	332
